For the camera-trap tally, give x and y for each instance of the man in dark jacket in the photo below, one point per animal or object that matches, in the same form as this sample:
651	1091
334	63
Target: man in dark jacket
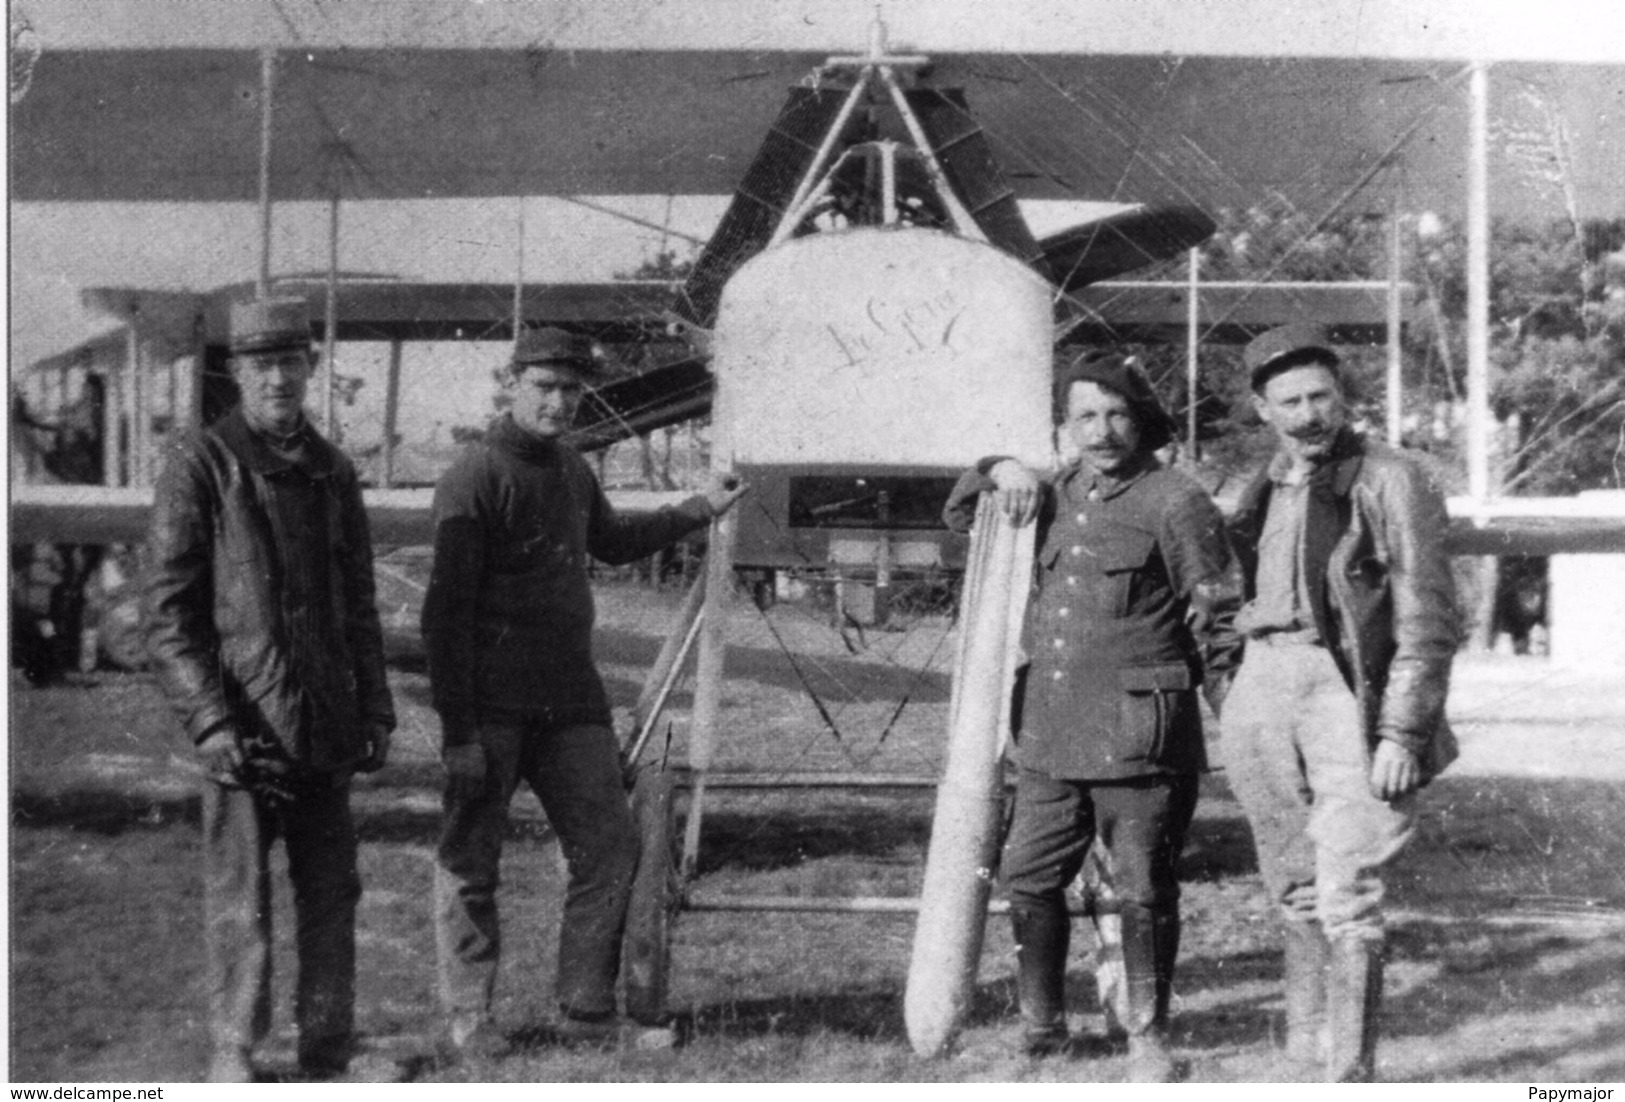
508	622
263	630
1336	717
1134	584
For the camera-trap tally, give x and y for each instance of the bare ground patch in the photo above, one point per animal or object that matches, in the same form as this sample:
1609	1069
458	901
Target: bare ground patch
1507	949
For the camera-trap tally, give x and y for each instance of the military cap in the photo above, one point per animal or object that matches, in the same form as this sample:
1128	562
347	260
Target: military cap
1287	346
550	345
1121	375
269	324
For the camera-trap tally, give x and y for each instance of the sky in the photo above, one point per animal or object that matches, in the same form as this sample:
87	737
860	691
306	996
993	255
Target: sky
57	248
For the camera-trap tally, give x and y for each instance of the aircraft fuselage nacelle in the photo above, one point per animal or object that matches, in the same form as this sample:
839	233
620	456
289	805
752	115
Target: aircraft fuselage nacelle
858	372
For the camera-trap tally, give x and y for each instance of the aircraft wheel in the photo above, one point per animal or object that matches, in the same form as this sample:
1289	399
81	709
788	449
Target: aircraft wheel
646	952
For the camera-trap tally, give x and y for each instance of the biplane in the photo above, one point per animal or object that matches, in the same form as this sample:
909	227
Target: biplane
872	311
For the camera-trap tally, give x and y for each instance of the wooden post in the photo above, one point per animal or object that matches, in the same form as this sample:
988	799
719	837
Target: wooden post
713	645
172	387
668	667
194	382
112	406
1478	341
519	279
1478	289
134	402
1395	386
392	410
330	321
267	94
1193	317
688	614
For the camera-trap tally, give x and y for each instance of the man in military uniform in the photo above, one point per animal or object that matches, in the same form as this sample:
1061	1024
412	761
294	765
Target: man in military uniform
1336	717
264	633
1134	581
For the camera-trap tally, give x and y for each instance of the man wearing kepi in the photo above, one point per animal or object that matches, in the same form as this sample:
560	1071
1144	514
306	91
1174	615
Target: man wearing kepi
1336	717
1133	589
508	624
264	633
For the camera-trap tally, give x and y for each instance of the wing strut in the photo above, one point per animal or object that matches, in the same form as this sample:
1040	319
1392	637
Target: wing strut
762	198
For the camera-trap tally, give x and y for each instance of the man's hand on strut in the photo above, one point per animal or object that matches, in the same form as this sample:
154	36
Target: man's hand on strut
465	769
721	491
221	757
378	740
1016	489
1395	771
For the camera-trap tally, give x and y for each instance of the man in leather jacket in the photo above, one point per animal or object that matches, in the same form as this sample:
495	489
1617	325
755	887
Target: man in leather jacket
1133	589
262	626
1336	717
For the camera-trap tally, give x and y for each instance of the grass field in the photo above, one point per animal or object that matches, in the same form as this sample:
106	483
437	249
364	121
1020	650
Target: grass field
1507	932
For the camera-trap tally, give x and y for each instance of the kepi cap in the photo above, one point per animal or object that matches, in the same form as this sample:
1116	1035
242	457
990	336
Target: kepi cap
550	345
267	324
1123	375
1294	345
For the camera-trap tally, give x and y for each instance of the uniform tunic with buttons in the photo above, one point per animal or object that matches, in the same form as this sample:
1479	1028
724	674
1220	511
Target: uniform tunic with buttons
1133	589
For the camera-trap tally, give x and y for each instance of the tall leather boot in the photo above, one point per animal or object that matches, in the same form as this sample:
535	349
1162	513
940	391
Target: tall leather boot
1354	994
1150	944
1042	935
1307	957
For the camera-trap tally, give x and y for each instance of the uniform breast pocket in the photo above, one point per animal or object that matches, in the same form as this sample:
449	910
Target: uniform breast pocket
1121	561
1156	706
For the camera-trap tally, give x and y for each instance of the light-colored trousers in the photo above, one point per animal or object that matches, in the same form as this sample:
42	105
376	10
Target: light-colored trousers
1295	757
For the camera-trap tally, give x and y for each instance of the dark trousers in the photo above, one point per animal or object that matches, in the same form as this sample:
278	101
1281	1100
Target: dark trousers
316	828
575	772
1142	821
